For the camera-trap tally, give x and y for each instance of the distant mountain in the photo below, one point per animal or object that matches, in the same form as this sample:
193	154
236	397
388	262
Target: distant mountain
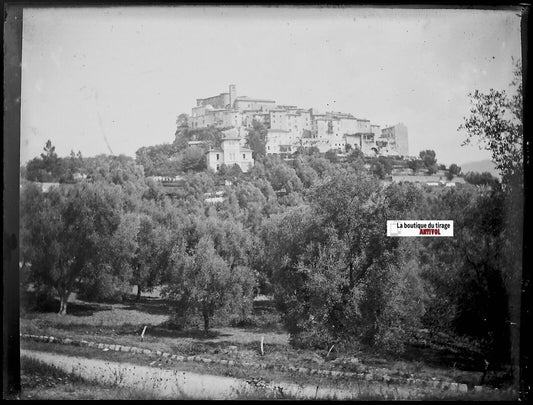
480	166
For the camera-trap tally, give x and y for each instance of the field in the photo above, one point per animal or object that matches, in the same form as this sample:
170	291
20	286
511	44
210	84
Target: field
123	323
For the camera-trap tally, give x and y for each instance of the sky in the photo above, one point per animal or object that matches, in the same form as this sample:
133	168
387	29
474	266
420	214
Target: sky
114	79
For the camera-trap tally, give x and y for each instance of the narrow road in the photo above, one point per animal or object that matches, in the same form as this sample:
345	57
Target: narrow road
165	383
175	384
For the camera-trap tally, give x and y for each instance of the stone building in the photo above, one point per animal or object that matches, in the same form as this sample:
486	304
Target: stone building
253	104
290	127
230	153
397	139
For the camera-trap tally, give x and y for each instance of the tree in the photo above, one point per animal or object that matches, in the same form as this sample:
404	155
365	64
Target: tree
381	166
108	278
256	139
308	150
331	155
182	120
429	160
152	252
202	282
211	136
307	175
243	284
337	277
453	171
387	164
415	165
466	274
193	159
48	168
479	179
378	170
158	160
49	156
234	172
67	232
252	203
281	176
321	165
495	120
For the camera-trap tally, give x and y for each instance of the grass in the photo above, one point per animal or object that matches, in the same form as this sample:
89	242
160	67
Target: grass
365	390
122	324
40	381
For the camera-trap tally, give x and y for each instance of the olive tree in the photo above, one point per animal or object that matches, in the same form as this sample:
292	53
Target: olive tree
66	233
495	121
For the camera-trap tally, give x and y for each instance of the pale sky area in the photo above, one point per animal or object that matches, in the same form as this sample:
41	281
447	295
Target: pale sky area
121	75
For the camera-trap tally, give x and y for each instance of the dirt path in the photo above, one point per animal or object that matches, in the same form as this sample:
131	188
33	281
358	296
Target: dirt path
164	382
179	384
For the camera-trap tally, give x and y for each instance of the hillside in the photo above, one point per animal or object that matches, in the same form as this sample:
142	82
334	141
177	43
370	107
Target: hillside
480	166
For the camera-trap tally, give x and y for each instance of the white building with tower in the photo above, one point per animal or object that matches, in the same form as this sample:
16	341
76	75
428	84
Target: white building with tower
230	153
290	127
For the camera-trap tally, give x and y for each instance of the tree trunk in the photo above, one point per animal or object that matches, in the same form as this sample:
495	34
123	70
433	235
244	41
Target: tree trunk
206	322
63	304
352	278
139	291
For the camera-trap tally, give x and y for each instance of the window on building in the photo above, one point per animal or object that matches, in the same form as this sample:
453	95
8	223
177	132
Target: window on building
218	167
218	156
244	156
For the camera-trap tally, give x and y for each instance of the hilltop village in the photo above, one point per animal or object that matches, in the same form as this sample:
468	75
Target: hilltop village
289	127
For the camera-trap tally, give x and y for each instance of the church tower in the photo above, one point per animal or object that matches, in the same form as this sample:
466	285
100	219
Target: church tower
232	94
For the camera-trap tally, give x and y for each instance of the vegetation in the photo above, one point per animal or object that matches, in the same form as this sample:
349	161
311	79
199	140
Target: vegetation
309	230
481	179
453	171
122	324
41	381
257	139
495	121
428	159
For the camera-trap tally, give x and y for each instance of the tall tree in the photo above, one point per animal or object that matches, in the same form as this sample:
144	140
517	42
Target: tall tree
48	167
151	257
66	231
193	159
429	160
202	282
337	277
495	121
256	139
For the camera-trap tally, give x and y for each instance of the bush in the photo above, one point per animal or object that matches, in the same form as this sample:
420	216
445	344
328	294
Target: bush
104	288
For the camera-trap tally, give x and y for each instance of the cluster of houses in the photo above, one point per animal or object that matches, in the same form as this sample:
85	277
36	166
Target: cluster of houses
436	180
289	127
